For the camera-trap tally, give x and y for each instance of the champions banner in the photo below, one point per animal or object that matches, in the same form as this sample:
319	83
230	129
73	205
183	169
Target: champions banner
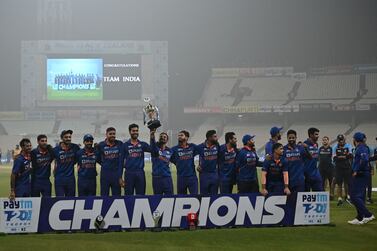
27	215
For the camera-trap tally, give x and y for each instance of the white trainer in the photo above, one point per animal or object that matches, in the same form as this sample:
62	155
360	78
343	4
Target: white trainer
356	222
367	219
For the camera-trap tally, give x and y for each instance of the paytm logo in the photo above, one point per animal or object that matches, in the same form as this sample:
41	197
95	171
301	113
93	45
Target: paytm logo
18	204
20	210
316	203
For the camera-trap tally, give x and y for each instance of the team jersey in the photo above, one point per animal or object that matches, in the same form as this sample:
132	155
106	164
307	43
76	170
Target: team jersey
208	156
41	161
325	157
134	155
65	160
21	169
227	162
86	163
275	169
160	160
342	157
183	159
247	161
268	147
294	155
310	163
361	159
110	158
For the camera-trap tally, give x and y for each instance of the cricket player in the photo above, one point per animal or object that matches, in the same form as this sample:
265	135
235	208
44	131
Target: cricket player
65	160
275	178
41	157
20	176
86	168
208	159
227	163
247	161
359	180
313	179
275	133
183	156
109	156
294	155
326	167
162	182
133	152
343	170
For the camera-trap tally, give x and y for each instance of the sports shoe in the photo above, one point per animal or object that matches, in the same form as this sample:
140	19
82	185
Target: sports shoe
340	202
367	219
369	201
356	222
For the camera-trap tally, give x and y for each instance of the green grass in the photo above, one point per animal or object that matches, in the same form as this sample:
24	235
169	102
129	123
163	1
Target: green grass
338	236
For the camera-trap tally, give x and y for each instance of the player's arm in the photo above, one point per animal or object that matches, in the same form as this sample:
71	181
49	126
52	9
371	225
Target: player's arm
121	162
153	145
286	183
13	176
264	191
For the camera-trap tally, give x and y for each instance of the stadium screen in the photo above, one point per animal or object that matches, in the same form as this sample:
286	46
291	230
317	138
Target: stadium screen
104	77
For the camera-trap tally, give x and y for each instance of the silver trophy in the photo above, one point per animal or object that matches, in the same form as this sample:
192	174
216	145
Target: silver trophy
151	115
157	221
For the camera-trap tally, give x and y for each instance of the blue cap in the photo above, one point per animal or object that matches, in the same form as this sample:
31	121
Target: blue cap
275	130
88	137
359	136
246	138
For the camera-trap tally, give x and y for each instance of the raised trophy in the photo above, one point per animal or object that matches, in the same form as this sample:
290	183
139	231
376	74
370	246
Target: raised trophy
151	115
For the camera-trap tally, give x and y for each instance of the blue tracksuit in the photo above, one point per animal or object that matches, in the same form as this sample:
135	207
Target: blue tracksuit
87	173
294	155
359	183
227	168
41	172
208	176
274	177
247	161
268	147
134	165
183	158
21	169
313	179
161	176
111	159
65	160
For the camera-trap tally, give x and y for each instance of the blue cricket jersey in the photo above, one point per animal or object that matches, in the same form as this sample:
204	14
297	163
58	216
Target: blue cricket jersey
134	155
361	159
247	161
183	158
268	147
86	163
294	155
65	160
160	160
227	163
21	169
310	163
208	157
110	158
41	161
275	169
